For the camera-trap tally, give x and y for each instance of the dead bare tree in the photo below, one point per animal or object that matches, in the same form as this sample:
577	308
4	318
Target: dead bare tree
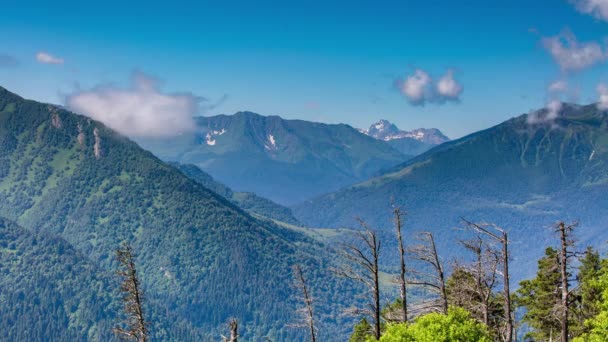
501	237
307	311
397	220
136	327
567	252
234	331
426	253
362	256
472	284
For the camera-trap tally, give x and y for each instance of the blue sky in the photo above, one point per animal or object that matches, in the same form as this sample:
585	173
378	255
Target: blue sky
322	61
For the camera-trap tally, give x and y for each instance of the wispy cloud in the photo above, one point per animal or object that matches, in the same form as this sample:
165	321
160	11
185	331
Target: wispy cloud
546	115
420	88
572	55
555	92
602	91
7	61
558	86
596	8
47	58
141	110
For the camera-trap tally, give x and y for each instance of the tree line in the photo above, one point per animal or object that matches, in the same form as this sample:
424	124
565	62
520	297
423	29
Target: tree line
566	301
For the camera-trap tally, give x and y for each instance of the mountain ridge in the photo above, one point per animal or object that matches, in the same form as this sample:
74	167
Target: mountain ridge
522	176
283	160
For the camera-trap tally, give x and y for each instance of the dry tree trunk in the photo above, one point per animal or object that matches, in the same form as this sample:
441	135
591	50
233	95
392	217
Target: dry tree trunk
402	270
234	330
307	298
363	255
502	238
485	271
136	326
567	244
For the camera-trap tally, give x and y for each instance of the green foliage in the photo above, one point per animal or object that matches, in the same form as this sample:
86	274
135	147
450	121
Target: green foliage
49	291
541	297
457	325
596	327
588	295
362	331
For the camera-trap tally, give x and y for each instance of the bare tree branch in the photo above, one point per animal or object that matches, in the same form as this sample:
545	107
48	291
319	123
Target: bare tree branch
363	255
136	326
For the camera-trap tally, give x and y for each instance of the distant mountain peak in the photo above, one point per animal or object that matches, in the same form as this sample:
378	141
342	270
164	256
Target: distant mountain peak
387	131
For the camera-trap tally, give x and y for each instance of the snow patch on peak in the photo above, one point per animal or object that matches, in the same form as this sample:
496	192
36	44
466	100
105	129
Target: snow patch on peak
385	130
380	124
219	132
272	144
209	139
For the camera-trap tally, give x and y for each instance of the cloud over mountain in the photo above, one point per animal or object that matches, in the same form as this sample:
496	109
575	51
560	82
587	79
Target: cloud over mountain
602	91
141	110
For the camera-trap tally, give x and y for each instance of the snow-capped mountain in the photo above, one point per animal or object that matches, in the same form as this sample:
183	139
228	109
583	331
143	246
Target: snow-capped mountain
387	131
409	143
286	161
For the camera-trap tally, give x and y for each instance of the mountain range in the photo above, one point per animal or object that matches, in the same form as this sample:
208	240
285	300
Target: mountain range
411	143
72	190
286	161
522	174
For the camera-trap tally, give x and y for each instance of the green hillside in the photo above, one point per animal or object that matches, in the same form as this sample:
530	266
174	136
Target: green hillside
49	291
201	258
523	177
286	161
248	201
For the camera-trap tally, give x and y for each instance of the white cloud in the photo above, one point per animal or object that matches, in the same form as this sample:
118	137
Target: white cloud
415	87
558	86
571	54
596	8
420	88
47	58
602	91
141	110
553	108
448	87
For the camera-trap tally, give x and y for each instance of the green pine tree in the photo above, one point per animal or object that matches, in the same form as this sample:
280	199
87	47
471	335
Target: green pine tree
541	298
362	331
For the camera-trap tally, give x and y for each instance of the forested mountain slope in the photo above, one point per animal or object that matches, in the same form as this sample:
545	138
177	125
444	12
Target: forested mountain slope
248	201
49	291
522	174
201	259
